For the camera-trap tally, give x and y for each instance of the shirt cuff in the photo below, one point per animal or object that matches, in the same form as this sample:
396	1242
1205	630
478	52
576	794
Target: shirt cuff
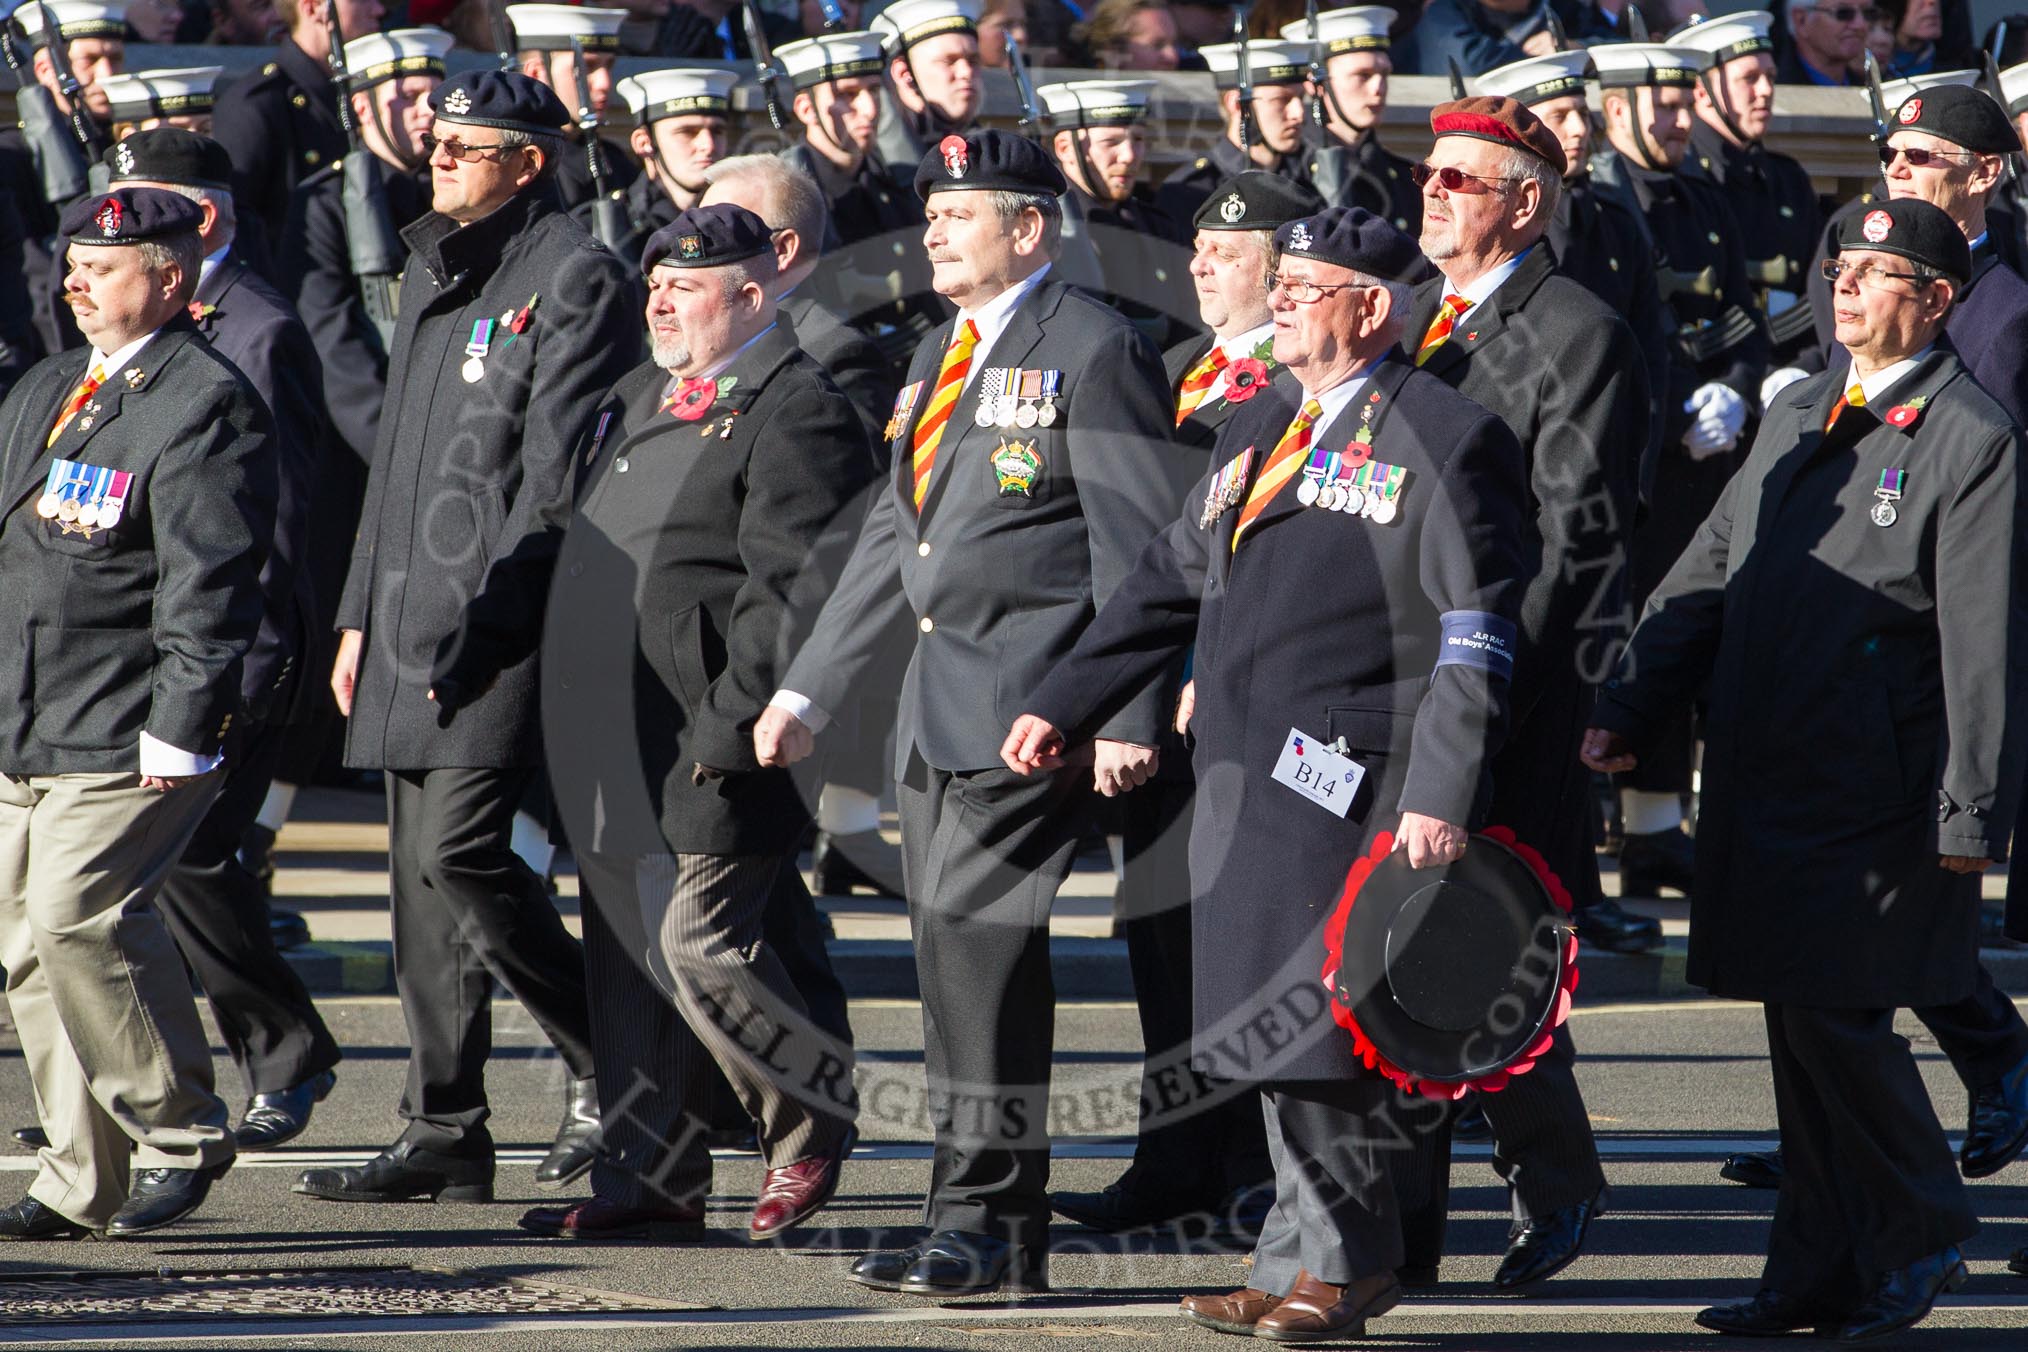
811	717
164	761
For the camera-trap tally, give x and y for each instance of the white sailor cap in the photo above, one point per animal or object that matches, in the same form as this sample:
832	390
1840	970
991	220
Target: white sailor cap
1629	65
1270	63
400	52
830	56
1727	36
74	18
656	94
2014	88
1096	103
1893	92
1539	78
549	28
906	22
161	93
1361	28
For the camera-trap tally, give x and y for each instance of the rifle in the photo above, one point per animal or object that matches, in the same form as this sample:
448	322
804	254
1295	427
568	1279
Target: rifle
1316	64
503	32
1877	99
1031	113
769	75
1991	59
1637	24
609	218
59	159
1457	78
371	245
1240	14
1556	33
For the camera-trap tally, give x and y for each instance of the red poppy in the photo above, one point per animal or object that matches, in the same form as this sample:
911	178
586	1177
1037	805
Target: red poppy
1901	415
200	311
519	323
1357	452
1244	377
692	399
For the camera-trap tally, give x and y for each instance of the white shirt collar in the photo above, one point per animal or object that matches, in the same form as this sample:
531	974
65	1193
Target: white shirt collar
1235	347
1880	382
1487	283
1339	397
992	317
211	262
111	362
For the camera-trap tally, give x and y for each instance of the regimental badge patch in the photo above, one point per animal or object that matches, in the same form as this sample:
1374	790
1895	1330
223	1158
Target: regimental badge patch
1017	467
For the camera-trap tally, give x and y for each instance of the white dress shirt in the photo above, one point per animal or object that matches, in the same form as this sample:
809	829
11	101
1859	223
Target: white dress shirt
1235	347
1487	283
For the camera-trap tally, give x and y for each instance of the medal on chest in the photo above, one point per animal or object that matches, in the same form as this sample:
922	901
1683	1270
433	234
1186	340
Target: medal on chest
476	348
1228	486
1890	489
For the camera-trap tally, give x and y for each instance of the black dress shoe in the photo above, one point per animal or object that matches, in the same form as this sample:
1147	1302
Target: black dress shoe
1902	1298
159	1197
404	1171
883	1269
835	874
1654	860
287	928
1470	1124
35	1138
1605	926
577	1139
1546	1245
1768	1315
1999	1129
1126	1207
1755	1168
272	1119
30	1219
257	855
960	1263
2019	1262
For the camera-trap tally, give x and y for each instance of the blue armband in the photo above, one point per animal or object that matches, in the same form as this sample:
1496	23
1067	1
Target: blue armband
1478	638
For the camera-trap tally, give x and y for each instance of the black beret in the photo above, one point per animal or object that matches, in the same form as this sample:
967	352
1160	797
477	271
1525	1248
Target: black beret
130	216
988	160
1255	199
1961	115
171	155
1355	238
506	99
708	237
1913	229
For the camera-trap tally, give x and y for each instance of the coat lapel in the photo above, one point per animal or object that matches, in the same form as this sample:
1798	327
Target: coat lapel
1011	348
132	377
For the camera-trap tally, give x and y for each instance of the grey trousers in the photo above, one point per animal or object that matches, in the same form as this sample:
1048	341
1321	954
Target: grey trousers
1334	1214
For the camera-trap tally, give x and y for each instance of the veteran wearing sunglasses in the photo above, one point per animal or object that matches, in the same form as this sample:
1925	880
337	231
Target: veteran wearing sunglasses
1868	548
514	324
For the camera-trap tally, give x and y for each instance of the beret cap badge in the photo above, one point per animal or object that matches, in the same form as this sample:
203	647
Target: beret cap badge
953	149
1233	208
107	217
1876	226
459	101
1299	237
690	246
1910	111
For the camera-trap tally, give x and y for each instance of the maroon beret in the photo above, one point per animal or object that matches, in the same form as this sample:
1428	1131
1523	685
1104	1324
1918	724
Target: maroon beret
1501	121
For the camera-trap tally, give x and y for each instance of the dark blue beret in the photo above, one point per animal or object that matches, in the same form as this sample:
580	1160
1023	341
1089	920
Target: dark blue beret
708	237
1352	237
171	155
1912	229
1961	115
988	160
506	99
130	216
1256	200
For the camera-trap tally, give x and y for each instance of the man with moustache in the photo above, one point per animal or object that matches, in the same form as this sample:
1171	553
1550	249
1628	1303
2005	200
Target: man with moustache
681	133
1275	121
1719	350
1351	168
933	65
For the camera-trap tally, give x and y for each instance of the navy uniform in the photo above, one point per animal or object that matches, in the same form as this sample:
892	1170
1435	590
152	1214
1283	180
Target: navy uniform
1417	714
1564	373
1868	551
215	909
904	137
996	542
549	31
655	95
281	126
513	326
1770	194
1277	65
870	200
139	502
1719	354
1361	173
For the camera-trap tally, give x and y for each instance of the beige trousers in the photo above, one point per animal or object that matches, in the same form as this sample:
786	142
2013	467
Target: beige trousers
98	992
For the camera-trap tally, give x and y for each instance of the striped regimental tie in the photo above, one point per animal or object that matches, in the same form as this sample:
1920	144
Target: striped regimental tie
1440	327
1852	398
950	382
79	397
1280	467
1197	384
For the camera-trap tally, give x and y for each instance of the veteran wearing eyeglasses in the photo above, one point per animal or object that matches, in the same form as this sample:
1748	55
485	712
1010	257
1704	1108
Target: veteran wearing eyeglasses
1852	606
514	324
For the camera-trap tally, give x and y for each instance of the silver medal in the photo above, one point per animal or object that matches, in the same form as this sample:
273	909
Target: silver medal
1046	415
1384	510
46	505
88	515
1024	415
1884	513
984	416
474	370
1332	498
1355	501
1307	490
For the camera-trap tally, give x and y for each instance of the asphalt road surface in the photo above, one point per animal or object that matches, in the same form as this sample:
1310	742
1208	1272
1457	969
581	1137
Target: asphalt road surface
1672	1088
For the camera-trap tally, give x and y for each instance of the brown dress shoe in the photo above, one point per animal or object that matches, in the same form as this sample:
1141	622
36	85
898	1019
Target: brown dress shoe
1235	1312
792	1194
600	1219
1315	1310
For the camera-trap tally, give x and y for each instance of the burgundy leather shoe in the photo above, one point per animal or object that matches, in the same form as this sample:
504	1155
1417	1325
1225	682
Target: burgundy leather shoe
792	1194
600	1219
1234	1312
1316	1310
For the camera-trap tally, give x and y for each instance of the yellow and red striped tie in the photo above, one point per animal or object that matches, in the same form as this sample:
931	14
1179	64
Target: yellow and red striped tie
1852	398
1199	381
1440	327
1280	467
950	382
79	397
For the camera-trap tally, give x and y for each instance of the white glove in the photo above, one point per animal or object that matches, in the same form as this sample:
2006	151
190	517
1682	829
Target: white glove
1720	415
1777	381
